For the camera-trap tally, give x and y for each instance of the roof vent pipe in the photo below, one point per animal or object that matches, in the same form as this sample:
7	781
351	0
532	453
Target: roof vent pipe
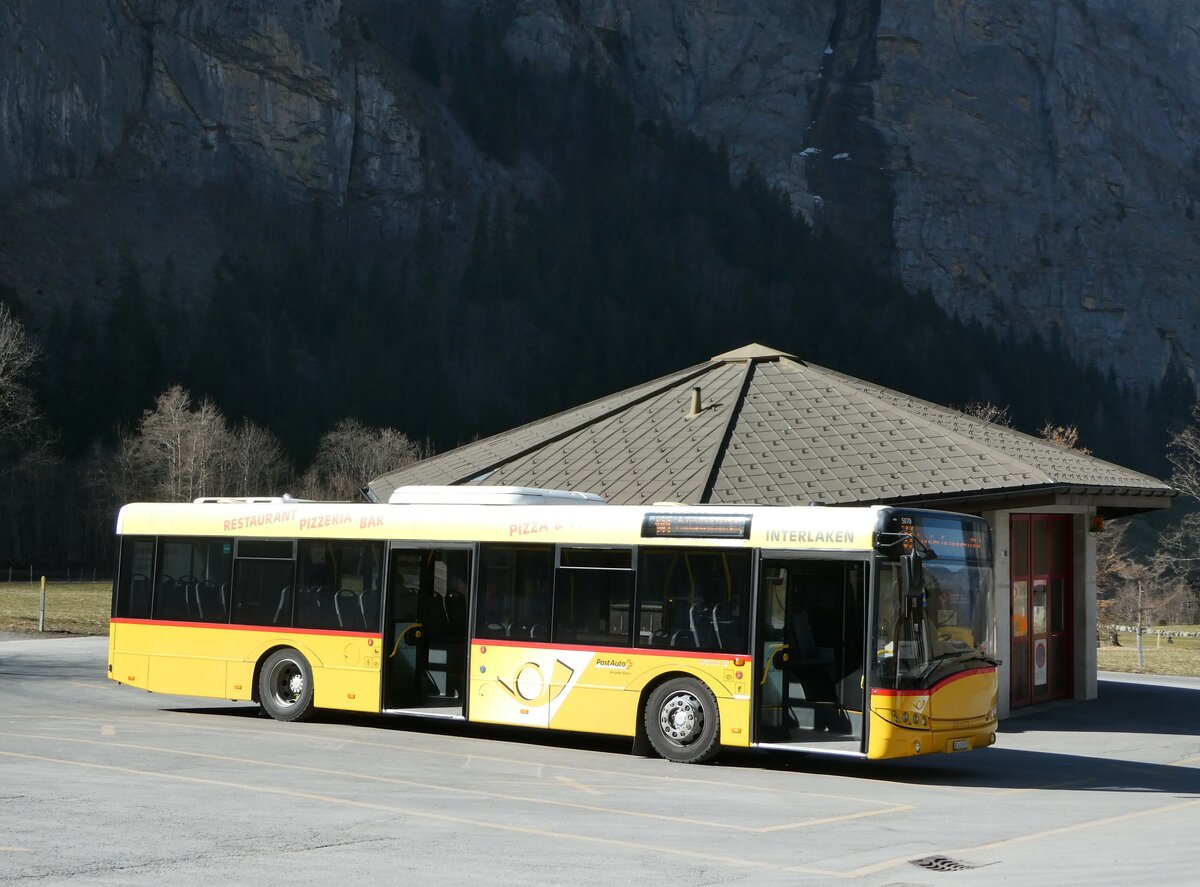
695	409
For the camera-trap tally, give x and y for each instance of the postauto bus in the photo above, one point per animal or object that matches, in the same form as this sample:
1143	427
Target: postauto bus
866	632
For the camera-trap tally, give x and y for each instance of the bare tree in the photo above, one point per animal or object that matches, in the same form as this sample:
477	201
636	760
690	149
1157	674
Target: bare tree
18	352
24	441
1065	436
1139	589
28	450
1122	578
1111	558
351	455
1180	544
257	464
1183	451
182	452
989	412
1179	553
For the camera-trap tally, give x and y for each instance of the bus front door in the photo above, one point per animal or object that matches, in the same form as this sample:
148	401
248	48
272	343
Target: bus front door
812	629
425	631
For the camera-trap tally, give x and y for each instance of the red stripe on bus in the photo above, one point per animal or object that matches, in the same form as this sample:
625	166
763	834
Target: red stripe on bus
882	691
648	651
231	625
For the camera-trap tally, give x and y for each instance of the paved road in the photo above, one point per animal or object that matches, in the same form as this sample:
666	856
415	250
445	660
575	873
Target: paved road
102	784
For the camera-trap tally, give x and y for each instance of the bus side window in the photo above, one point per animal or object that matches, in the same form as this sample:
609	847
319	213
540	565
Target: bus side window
694	599
515	582
263	579
189	576
336	585
593	592
134	582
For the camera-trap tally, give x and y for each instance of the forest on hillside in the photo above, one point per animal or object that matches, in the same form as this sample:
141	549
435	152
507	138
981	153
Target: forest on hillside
639	255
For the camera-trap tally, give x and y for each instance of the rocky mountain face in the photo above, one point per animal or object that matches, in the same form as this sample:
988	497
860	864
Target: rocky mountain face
183	128
1029	162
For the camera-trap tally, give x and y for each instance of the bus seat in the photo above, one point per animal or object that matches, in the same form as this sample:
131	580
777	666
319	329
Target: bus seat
701	626
171	600
278	618
191	605
729	627
210	601
316	607
370	608
347	606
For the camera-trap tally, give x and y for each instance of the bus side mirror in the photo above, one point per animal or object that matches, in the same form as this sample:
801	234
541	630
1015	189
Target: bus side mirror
912	575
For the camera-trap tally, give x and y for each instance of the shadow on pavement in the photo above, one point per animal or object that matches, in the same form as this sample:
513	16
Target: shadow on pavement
1120	707
1011	770
1101	726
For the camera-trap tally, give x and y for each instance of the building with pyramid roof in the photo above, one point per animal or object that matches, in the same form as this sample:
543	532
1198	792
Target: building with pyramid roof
757	425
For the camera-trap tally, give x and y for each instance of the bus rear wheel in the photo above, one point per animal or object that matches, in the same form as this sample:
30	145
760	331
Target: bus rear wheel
285	686
682	722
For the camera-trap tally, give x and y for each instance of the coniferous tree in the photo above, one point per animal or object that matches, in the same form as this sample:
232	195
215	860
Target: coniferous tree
133	363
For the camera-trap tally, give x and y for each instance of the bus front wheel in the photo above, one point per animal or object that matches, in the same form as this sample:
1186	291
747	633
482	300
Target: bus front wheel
682	722
285	686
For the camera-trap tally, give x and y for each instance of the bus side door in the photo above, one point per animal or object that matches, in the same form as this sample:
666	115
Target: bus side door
425	628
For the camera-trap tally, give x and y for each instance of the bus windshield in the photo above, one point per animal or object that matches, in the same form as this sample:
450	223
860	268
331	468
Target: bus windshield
944	623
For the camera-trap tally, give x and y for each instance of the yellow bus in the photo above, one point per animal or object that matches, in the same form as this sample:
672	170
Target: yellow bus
855	631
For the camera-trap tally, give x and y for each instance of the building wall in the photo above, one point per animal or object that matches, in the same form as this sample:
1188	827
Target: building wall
1083	598
1085	606
998	521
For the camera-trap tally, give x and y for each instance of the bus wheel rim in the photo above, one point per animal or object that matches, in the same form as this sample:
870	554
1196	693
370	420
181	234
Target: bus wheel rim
681	718
288	683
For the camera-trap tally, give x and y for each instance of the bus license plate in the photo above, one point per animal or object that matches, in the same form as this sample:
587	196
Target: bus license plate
960	745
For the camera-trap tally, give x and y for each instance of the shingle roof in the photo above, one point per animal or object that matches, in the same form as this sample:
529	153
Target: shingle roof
774	430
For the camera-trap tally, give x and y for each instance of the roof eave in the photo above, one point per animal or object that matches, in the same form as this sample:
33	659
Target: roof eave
1109	501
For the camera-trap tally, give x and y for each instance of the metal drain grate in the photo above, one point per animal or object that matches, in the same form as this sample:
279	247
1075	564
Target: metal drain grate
942	864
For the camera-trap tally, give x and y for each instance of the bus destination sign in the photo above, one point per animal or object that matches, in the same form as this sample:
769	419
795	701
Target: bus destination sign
696	526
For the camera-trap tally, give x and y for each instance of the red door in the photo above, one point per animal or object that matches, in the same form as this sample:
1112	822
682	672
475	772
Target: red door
1041	585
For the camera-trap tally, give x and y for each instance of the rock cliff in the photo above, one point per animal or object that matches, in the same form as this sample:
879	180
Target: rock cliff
1029	162
182	128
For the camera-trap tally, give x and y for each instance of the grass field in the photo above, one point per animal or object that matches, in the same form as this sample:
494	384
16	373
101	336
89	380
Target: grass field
71	607
1180	657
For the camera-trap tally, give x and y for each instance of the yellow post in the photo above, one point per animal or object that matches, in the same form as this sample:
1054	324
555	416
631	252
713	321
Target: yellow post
42	608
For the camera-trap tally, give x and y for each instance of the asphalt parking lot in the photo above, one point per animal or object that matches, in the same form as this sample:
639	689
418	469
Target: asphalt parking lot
103	784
